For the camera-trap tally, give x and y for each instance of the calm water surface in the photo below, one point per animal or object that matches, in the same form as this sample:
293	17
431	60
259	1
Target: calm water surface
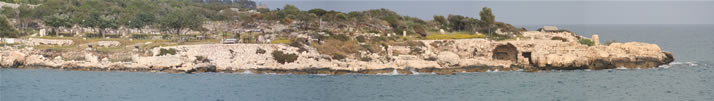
690	78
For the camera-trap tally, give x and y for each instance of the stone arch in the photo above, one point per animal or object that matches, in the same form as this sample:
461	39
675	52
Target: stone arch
506	52
559	38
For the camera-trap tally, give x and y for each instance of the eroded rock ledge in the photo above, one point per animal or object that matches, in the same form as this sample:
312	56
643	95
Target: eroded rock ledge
434	56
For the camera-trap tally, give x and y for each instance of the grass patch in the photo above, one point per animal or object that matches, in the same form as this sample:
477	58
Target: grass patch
110	49
453	36
285	41
336	47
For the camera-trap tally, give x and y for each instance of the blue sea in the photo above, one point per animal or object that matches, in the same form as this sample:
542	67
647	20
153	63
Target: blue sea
689	78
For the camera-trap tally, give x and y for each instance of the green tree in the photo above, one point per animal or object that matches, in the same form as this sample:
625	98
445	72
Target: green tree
488	19
8	11
142	20
291	9
317	11
25	16
487	16
101	22
441	21
56	21
178	20
6	29
456	22
421	30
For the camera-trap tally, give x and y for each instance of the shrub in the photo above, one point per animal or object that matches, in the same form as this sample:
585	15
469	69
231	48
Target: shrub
260	51
341	37
299	44
365	59
586	42
201	59
284	58
361	39
338	57
169	51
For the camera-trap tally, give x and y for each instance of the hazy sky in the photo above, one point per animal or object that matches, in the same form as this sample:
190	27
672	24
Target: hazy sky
533	12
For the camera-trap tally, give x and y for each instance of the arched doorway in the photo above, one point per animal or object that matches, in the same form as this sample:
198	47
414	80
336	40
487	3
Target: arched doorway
506	52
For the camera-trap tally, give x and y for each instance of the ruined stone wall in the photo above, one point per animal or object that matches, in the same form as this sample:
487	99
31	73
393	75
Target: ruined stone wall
35	41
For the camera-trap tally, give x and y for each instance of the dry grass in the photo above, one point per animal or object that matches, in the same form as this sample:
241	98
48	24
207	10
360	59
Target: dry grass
336	47
280	41
454	35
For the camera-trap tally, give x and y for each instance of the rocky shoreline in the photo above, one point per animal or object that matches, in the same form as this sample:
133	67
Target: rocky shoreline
431	56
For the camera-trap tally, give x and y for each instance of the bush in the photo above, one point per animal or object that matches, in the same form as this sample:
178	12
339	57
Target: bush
201	59
338	57
299	44
586	42
365	59
341	37
260	51
361	39
284	58
170	51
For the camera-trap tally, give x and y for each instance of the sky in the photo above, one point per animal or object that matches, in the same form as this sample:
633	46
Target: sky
533	12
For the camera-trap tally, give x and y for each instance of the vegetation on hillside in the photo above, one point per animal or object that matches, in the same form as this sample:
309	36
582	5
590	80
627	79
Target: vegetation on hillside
180	16
339	34
6	29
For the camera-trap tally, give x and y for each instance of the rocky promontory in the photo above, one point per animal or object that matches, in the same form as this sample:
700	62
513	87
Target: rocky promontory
534	51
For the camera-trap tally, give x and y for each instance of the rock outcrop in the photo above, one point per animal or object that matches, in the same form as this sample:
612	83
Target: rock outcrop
435	56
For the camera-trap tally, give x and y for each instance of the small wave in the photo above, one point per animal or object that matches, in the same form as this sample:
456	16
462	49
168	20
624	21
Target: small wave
495	70
688	63
413	72
394	72
247	72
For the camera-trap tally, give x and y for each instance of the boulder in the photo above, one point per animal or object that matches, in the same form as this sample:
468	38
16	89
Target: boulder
448	58
11	59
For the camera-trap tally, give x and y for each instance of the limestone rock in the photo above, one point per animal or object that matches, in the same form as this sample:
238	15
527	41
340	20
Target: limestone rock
11	58
108	43
91	58
448	58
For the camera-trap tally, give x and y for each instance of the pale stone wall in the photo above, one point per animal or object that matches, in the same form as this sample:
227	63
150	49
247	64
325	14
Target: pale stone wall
108	43
35	41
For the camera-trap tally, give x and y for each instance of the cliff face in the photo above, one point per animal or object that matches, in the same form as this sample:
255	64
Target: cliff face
436	56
